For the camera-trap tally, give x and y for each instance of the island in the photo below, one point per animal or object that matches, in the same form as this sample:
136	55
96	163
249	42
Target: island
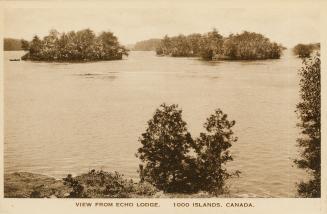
73	46
213	46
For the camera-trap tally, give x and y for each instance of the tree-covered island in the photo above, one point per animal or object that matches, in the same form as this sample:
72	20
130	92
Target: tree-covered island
83	45
213	46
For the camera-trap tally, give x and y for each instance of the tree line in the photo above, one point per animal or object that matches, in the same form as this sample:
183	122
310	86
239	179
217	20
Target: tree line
212	45
81	45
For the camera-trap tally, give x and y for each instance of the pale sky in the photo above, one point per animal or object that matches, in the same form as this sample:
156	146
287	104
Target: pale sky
134	23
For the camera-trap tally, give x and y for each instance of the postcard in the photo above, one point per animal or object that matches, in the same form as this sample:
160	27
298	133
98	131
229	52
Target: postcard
163	106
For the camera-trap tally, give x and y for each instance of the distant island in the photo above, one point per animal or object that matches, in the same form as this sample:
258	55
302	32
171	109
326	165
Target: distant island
147	45
213	46
79	46
10	44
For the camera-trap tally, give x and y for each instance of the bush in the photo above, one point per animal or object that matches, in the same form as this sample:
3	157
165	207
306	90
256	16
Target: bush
309	114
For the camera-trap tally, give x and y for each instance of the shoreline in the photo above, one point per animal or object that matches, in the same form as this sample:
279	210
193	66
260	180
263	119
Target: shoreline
34	185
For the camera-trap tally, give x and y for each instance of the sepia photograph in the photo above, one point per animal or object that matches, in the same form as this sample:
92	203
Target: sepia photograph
161	101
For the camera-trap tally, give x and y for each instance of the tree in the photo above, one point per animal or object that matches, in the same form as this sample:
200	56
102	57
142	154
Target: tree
213	153
165	151
309	114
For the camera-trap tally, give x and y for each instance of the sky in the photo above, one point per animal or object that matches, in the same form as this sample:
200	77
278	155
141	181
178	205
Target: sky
288	26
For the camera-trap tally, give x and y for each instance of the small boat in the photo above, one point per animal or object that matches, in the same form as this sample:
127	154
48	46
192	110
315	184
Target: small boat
14	59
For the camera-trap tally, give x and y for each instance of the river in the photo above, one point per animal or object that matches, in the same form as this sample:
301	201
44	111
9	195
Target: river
65	118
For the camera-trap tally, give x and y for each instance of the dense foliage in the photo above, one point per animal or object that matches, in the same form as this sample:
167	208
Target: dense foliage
174	162
309	113
147	45
305	50
212	45
82	45
12	44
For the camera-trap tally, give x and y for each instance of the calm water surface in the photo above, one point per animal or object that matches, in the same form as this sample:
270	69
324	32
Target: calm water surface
65	118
